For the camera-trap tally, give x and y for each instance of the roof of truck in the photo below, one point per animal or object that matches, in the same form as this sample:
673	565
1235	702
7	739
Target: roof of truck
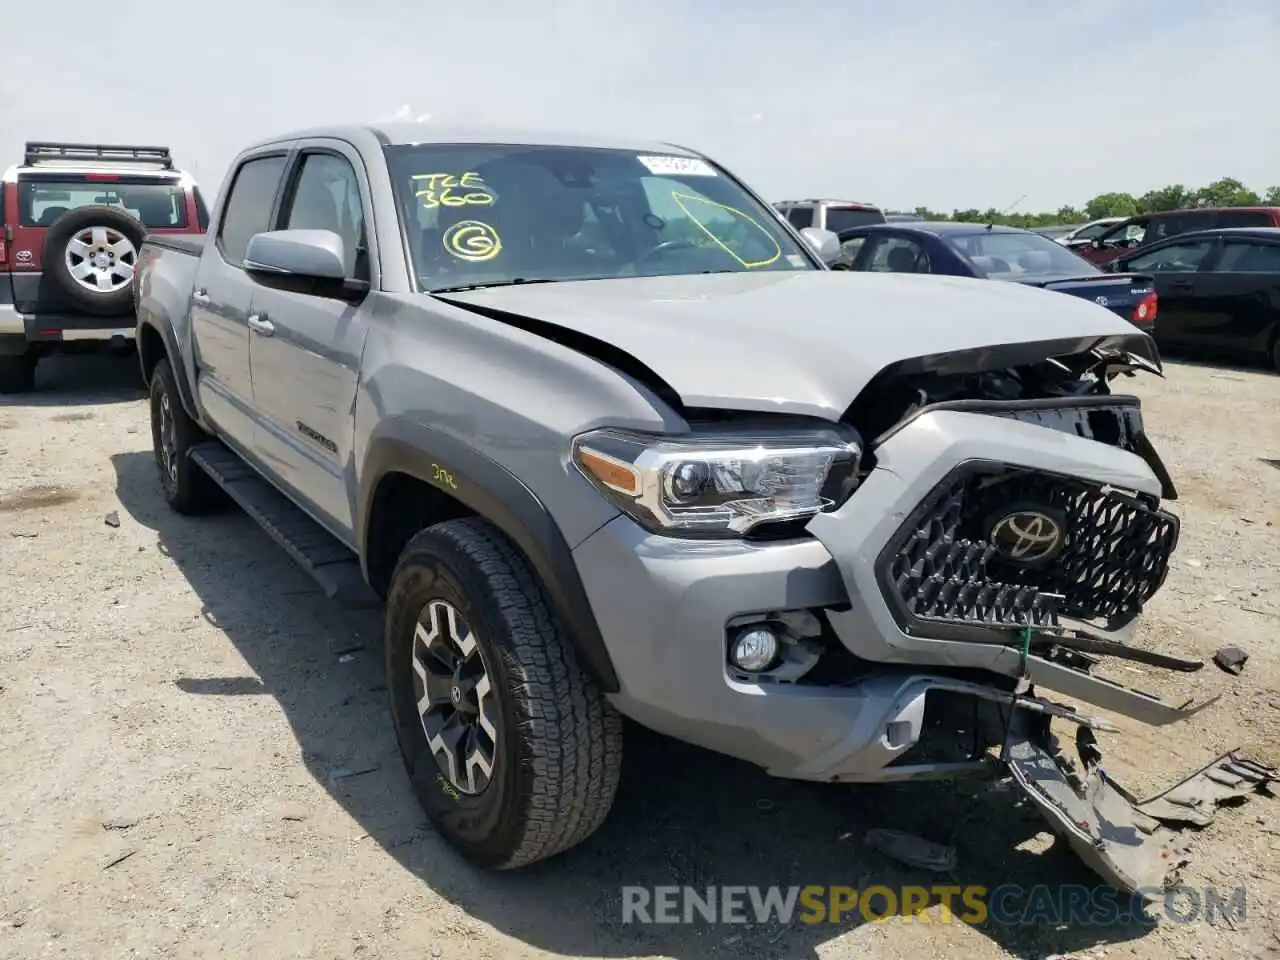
391	134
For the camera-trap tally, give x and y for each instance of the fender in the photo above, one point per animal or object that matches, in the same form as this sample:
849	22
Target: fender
493	492
176	363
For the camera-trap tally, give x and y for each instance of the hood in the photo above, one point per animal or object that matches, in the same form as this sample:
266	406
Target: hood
808	342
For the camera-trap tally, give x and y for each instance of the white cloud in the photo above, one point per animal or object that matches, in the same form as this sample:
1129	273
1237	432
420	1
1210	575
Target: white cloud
962	106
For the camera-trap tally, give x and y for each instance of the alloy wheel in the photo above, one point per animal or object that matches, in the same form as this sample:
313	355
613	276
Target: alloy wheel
455	699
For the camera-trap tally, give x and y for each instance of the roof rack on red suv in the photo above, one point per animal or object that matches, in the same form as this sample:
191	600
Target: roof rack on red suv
73	217
96	153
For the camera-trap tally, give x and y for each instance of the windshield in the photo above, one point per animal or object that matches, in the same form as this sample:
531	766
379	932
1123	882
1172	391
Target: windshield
846	218
486	214
1020	256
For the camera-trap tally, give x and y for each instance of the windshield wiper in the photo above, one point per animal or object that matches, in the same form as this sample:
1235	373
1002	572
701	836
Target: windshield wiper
484	286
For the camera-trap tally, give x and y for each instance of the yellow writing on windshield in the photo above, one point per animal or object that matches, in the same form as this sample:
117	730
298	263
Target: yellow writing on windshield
451	190
472	241
740	219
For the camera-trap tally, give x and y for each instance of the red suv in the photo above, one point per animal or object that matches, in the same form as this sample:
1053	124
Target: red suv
74	216
1129	236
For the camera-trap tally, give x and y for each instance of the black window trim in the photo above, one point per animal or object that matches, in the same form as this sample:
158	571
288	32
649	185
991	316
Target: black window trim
335	148
203	218
1223	242
1206	265
272	154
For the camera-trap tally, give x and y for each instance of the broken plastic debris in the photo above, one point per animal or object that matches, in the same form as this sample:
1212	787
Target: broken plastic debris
912	850
1195	799
1231	659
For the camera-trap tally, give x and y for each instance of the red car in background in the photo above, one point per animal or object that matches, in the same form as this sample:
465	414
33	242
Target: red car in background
73	219
1129	236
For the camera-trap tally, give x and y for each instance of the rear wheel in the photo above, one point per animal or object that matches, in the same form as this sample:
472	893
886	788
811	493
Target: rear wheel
511	748
187	488
1275	354
18	372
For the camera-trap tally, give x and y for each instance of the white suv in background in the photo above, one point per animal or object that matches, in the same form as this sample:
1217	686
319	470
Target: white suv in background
833	215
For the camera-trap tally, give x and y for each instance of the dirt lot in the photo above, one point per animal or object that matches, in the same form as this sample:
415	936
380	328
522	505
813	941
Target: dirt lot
197	760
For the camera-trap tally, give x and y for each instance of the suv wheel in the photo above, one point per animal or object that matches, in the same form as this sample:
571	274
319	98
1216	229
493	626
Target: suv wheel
18	372
187	488
512	749
91	254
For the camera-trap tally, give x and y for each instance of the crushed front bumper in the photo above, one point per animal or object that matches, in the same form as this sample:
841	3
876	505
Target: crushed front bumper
668	609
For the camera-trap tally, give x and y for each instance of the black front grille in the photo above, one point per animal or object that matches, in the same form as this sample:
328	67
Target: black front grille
941	572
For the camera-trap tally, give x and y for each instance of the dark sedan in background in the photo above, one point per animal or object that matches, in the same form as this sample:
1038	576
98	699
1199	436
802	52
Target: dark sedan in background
1219	291
996	253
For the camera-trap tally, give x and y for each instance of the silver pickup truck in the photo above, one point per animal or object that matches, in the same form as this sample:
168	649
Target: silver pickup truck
607	438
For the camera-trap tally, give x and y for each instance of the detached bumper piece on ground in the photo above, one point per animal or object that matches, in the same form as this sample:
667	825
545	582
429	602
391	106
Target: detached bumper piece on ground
1125	840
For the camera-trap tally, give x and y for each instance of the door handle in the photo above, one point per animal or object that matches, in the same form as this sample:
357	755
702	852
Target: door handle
259	324
200	296
1180	285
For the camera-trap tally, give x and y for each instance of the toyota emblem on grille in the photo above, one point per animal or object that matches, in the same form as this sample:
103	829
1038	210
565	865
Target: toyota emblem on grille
1028	535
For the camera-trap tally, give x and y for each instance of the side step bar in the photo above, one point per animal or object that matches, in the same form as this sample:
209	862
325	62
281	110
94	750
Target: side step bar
329	562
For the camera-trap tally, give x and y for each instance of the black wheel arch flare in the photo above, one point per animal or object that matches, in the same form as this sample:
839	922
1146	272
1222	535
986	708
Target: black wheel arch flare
494	493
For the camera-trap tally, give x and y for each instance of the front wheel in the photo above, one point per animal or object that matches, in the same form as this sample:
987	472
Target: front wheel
512	749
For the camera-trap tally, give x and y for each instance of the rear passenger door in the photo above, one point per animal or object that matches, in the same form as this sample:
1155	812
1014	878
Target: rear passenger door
1239	297
222	298
305	349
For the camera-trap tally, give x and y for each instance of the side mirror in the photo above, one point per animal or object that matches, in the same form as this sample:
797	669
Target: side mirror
826	243
304	261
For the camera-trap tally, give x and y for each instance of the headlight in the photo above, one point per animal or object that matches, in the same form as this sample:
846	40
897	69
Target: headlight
721	483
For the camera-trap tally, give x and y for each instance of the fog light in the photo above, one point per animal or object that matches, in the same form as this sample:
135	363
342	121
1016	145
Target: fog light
755	649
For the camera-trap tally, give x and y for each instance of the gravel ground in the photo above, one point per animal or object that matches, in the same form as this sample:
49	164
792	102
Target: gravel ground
197	759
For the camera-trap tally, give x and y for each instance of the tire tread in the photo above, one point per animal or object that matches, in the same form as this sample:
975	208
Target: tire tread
573	733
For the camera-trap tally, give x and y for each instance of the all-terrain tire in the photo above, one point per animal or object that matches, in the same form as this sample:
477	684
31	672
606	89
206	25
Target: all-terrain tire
187	489
18	372
108	303
558	751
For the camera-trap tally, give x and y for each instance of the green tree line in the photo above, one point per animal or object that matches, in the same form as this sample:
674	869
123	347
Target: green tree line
1227	192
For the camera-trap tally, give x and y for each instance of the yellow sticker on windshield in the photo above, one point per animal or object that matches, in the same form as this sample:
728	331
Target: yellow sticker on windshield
472	241
739	216
451	190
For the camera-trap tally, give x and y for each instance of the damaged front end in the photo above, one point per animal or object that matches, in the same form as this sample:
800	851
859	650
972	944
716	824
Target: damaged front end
1010	519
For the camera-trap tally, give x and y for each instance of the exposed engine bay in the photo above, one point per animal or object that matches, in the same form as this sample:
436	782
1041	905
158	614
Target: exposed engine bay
900	391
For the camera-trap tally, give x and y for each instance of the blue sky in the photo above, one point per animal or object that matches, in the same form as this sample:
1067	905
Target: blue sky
956	105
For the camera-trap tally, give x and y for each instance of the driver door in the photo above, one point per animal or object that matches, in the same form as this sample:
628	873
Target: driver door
1179	271
305	349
